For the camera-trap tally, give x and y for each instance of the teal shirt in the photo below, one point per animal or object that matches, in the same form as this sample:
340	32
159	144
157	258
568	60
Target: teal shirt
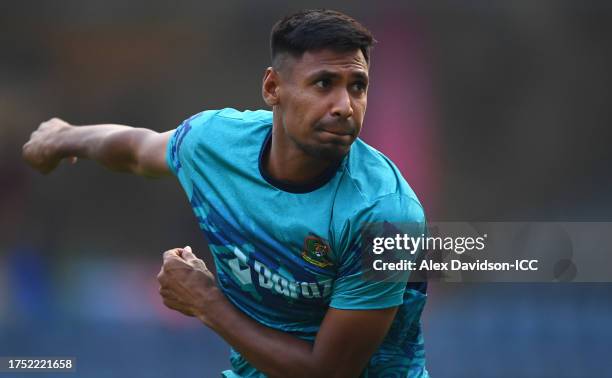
284	253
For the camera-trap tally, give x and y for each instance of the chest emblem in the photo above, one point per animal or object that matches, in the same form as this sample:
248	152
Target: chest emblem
316	252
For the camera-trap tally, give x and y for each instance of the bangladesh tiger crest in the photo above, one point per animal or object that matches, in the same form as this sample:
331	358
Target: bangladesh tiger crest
316	252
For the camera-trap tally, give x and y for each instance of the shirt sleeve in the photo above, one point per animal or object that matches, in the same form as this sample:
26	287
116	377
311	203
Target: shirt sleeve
358	286
185	143
180	148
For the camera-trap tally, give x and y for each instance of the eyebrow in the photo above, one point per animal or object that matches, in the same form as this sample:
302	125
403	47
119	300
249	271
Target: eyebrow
334	75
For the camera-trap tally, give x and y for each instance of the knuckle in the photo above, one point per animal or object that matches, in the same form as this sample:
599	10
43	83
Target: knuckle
170	304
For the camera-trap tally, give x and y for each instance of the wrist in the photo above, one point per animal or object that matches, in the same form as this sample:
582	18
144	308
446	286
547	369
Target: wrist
210	309
61	142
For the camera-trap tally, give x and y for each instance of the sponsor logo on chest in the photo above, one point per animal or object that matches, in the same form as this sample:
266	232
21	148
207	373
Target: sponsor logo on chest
269	279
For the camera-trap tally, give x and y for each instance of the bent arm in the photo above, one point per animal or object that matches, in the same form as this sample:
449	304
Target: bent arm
116	147
342	348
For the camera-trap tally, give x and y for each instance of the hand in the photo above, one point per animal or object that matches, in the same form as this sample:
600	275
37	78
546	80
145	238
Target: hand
186	284
42	150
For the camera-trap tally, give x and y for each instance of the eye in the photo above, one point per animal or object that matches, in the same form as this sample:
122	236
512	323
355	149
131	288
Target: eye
359	86
323	83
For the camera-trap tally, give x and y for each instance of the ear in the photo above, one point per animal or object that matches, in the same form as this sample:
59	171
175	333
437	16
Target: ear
270	87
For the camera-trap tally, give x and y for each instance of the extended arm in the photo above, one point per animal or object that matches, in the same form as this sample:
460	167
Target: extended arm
116	147
342	348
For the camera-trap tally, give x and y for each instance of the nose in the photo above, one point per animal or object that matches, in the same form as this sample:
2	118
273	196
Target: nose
342	106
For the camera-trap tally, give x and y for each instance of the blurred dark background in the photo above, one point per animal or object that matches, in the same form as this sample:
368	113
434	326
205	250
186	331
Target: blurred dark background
492	110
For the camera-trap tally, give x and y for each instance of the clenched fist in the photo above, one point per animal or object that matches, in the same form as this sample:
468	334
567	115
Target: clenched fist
186	284
43	151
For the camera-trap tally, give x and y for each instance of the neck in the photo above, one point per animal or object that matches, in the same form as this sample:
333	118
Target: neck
285	161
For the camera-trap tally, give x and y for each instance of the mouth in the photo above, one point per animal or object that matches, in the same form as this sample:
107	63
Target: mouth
338	132
336	137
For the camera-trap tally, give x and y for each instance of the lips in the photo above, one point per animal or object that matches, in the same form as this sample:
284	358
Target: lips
338	132
336	137
336	128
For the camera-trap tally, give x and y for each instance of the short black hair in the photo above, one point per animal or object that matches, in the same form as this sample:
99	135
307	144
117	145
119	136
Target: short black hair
316	29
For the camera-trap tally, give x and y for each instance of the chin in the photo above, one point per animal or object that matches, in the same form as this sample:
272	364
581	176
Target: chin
330	152
325	150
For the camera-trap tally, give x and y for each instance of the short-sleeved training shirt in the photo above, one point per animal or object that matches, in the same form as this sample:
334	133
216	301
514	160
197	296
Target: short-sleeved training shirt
286	253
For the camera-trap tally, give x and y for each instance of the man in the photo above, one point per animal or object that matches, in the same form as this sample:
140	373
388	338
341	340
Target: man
282	197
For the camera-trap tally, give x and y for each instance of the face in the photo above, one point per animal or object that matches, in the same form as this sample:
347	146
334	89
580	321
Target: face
321	99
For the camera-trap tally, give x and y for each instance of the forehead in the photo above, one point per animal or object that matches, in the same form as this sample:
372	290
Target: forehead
330	60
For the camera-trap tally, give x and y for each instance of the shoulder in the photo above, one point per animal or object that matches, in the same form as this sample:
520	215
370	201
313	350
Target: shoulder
372	191
373	174
255	116
376	187
212	133
227	116
221	126
395	208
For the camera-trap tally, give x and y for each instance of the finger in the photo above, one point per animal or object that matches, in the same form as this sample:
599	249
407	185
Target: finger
187	254
161	276
175	263
171	253
199	264
177	306
193	260
171	304
165	293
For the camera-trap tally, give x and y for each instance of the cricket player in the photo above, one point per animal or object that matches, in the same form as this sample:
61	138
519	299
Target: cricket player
282	197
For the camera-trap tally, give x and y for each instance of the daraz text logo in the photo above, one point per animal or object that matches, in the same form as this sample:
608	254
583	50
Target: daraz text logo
270	280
